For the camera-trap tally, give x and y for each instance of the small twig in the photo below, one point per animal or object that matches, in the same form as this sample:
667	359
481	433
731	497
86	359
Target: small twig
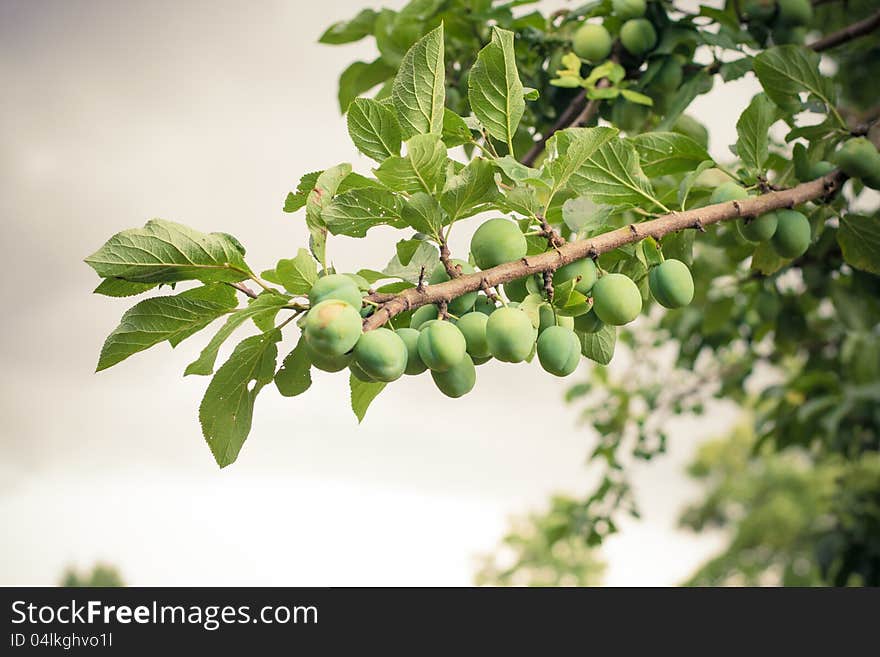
847	33
548	283
421	284
443	310
241	287
554	239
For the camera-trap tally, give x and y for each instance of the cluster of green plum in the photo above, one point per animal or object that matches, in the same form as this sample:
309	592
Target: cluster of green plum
475	329
786	19
593	42
788	231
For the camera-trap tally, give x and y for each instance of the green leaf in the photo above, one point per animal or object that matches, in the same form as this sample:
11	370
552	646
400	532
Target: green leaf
786	71
406	249
419	89
296	200
165	252
358	210
635	97
859	239
360	77
455	130
687	183
612	175
765	259
422	170
679	246
117	287
268	302
753	129
573	148
297	275
599	346
425	256
172	318
662	153
227	408
582	216
373	128
422	212
362	395
318	199
494	88
698	84
736	69
471	191
347	31
295	376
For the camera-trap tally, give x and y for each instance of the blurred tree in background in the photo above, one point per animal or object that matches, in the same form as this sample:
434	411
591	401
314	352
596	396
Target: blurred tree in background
101	574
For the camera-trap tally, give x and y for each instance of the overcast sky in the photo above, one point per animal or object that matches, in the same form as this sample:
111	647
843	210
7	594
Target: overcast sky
207	113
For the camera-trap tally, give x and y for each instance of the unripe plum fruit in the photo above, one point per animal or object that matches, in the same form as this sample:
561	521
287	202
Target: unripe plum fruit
458	380
462	304
588	323
793	234
510	335
585	269
859	158
626	9
819	169
559	350
414	363
616	299
671	284
422	315
728	191
473	328
758	229
381	354
335	286
638	36
484	305
549	318
441	345
592	42
327	363
332	327
497	241
516	289
669	77
794	13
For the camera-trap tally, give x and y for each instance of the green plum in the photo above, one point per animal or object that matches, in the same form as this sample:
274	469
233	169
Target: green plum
441	345
381	354
473	328
458	380
758	229
335	286
497	241
414	363
510	335
332	327
616	299
638	36
462	304
584	270
559	350
422	315
592	42
728	191
793	234
671	283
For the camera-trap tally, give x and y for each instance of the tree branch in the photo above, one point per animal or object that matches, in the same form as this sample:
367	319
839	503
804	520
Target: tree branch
698	219
848	33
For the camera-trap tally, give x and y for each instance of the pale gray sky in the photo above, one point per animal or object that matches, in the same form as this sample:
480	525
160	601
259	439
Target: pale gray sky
206	113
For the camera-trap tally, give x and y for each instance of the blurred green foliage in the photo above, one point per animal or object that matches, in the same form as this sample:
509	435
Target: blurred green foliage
101	574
